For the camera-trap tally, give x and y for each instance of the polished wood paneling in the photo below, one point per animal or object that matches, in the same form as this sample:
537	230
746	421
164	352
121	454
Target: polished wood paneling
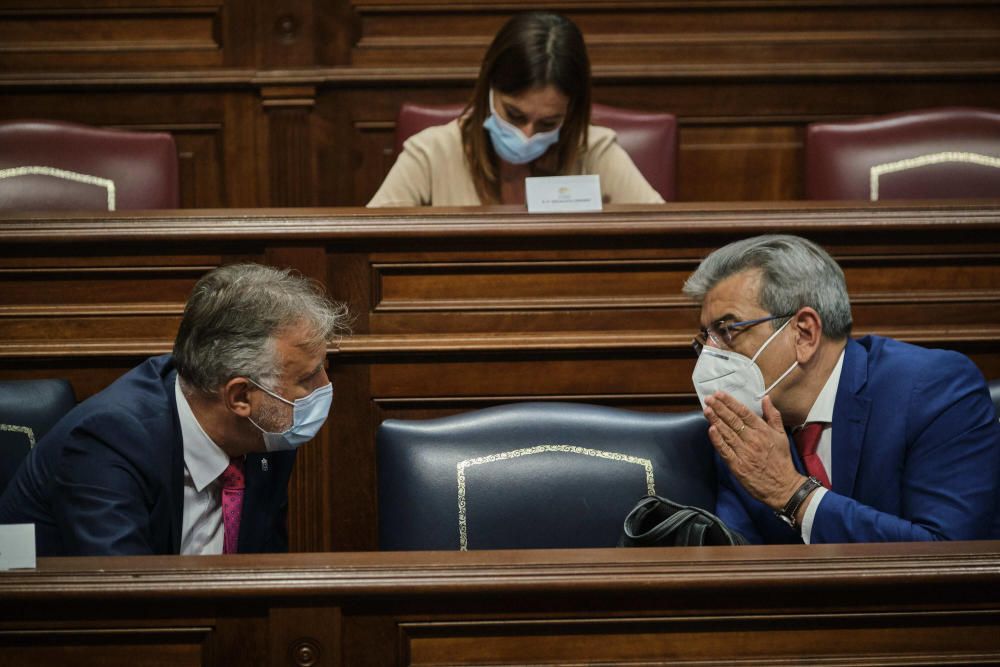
877	604
708	36
99	34
743	161
456	309
304	94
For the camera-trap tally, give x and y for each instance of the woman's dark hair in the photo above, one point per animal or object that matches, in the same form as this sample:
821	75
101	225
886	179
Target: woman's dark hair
531	50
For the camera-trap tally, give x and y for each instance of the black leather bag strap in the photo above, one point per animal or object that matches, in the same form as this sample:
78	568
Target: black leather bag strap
658	521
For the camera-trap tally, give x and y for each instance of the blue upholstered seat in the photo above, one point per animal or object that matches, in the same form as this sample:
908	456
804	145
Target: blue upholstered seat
534	475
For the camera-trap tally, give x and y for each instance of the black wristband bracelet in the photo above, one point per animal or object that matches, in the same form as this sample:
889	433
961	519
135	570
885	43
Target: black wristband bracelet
787	513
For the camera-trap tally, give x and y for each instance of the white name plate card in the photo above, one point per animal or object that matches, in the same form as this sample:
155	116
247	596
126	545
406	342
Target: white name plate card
563	194
17	546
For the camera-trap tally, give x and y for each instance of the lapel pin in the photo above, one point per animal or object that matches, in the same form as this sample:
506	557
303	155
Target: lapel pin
263	465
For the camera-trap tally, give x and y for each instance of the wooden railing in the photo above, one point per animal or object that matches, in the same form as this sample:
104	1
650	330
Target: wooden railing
882	604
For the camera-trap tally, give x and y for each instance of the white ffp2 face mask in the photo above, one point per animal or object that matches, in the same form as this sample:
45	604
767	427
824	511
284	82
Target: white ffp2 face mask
735	374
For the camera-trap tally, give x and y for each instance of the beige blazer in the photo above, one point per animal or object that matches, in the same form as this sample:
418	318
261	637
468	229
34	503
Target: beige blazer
432	171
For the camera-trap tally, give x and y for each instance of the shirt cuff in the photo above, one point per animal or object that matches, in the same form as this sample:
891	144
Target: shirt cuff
810	513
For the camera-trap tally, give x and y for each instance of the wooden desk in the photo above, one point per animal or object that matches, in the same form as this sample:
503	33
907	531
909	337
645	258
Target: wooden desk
901	604
462	308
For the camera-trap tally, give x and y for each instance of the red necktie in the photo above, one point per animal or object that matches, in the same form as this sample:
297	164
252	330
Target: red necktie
232	505
806	441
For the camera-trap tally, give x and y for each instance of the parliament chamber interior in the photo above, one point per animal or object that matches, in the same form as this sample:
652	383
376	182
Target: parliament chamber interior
258	131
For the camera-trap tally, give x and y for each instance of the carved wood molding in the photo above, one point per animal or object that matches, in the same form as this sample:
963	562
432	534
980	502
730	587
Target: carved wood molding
674	344
275	96
970	222
85	348
862	567
92	310
342	77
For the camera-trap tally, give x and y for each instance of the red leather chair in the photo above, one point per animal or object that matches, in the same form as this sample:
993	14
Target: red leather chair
47	165
649	138
941	153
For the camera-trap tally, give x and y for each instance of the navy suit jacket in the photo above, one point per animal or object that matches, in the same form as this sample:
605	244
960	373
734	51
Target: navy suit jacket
915	454
108	479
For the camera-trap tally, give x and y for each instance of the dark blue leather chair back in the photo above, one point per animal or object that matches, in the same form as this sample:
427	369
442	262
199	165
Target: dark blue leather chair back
28	409
534	475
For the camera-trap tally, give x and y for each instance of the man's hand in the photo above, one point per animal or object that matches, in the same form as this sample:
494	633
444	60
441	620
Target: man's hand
755	449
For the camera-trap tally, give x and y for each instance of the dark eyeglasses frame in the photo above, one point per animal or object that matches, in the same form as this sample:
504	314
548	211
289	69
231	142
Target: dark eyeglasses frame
725	331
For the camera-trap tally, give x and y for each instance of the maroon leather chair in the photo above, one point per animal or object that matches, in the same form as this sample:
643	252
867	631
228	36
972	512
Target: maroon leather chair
945	153
47	165
649	138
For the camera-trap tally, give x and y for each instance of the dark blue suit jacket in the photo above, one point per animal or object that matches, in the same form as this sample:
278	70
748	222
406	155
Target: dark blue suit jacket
916	454
108	479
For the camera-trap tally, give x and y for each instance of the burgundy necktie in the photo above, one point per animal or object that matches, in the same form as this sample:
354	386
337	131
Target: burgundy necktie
232	505
806	441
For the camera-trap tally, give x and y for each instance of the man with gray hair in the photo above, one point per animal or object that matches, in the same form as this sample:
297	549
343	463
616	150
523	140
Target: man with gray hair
824	438
191	452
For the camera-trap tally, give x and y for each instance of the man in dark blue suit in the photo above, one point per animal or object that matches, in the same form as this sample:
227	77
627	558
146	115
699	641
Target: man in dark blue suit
139	467
823	438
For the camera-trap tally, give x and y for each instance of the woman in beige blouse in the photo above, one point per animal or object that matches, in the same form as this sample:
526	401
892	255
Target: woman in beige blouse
529	116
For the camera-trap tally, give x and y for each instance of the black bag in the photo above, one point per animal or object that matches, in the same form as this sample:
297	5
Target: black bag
658	522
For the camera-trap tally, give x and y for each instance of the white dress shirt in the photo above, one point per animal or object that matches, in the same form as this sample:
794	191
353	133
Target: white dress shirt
201	531
822	411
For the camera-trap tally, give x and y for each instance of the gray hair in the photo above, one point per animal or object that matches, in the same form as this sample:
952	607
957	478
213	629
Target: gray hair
795	273
234	315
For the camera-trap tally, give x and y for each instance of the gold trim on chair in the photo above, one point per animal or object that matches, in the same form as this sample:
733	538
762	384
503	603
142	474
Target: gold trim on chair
105	183
26	430
925	160
463	533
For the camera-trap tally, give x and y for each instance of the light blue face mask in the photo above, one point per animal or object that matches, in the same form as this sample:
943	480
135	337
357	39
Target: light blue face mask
511	144
308	415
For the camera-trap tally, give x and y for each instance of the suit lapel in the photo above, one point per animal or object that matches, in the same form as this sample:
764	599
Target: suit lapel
176	484
850	418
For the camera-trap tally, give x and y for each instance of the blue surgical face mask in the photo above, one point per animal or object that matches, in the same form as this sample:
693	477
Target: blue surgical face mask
308	415
511	144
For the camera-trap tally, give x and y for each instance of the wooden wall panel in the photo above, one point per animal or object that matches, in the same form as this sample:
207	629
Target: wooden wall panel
292	173
846	604
177	647
744	79
200	171
524	293
314	87
747	641
712	36
132	34
126	38
745	162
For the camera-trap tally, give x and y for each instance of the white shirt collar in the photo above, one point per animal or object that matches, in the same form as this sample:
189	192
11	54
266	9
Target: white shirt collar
203	458
822	408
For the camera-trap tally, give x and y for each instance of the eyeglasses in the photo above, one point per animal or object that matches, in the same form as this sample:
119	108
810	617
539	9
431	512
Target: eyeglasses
721	333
